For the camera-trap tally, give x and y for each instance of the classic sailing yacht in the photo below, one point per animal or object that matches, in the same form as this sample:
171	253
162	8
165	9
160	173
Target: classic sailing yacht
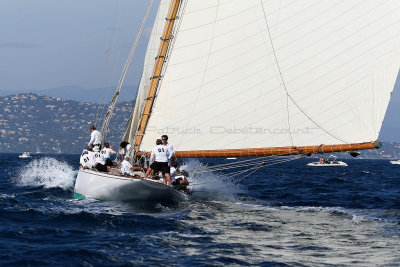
257	78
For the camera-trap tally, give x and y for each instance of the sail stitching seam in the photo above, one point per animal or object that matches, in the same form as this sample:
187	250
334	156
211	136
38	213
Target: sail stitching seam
205	70
287	93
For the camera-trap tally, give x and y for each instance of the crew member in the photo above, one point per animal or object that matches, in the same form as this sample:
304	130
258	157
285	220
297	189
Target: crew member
179	178
169	147
159	161
95	137
127	168
100	163
126	146
107	151
87	158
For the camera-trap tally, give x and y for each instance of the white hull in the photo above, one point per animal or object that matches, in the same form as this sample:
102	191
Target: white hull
336	164
395	161
25	155
106	186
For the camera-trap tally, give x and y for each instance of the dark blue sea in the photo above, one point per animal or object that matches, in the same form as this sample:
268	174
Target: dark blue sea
285	214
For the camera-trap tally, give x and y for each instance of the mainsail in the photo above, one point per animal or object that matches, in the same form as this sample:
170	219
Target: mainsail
271	75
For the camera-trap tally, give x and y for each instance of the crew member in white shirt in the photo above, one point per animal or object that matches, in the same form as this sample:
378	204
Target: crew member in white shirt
126	167
159	162
95	137
100	163
107	151
178	178
172	171
126	146
87	158
170	148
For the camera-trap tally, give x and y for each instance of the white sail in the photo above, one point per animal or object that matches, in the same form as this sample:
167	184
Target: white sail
145	81
249	74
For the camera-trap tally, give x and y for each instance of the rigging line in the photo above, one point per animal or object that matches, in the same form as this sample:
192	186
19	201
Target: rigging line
287	93
238	165
246	176
244	161
231	176
276	161
271	158
261	166
233	163
280	72
109	53
110	111
231	167
128	124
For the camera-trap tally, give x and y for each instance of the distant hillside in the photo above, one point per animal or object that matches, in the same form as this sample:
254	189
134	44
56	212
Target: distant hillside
77	93
28	121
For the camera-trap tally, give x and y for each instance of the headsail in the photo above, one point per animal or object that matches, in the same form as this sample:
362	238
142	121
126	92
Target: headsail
257	74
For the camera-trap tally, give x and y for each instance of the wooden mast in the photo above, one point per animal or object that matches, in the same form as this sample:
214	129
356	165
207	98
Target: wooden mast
273	151
158	66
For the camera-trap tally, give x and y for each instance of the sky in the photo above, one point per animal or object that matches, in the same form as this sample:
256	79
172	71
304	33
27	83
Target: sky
47	44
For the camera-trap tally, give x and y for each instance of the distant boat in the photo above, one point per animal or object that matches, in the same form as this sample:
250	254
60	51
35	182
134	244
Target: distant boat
395	161
25	155
37	149
329	162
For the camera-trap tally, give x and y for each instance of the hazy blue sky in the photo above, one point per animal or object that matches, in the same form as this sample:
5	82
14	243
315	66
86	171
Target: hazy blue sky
52	43
46	44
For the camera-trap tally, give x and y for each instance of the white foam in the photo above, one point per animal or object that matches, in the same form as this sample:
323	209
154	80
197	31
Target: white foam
5	196
209	185
47	172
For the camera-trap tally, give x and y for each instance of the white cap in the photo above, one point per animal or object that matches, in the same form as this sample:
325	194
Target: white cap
96	149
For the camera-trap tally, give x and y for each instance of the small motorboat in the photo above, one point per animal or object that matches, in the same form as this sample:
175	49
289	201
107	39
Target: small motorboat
329	162
395	161
25	155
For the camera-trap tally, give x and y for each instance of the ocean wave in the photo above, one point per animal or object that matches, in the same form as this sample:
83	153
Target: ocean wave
47	172
207	185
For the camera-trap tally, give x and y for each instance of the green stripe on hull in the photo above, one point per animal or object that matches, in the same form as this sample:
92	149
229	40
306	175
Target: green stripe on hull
78	196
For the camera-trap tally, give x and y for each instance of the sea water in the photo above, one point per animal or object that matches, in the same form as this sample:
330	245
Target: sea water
286	214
